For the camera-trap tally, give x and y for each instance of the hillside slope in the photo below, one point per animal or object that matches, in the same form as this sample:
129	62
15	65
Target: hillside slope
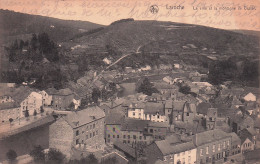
155	36
15	25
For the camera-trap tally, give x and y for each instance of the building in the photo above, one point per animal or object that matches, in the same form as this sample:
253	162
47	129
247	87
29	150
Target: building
61	99
235	144
212	146
147	111
171	150
46	98
249	97
248	140
6	99
82	130
32	103
9	110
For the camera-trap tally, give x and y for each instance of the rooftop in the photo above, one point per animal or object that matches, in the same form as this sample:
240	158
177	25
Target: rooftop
209	136
85	116
134	124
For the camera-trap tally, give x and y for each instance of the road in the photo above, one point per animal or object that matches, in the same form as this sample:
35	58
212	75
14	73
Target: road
118	60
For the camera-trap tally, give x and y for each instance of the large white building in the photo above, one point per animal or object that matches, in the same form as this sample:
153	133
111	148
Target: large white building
32	103
147	111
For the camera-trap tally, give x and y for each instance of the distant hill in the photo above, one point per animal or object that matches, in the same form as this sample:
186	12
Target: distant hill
15	25
169	37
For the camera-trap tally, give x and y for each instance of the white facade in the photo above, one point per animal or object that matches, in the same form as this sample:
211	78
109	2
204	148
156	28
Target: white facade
139	114
250	97
33	102
46	98
76	103
188	157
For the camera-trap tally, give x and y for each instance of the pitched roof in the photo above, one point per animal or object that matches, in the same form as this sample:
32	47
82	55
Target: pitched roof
158	124
134	125
78	118
114	119
64	92
8	105
153	108
169	148
235	137
209	136
203	107
125	148
168	104
178	105
244	134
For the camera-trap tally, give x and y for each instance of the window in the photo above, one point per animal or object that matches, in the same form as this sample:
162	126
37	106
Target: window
117	136
93	134
224	144
164	158
90	135
188	114
151	130
128	141
114	129
134	136
108	136
144	137
124	141
133	113
113	136
128	136
201	152
124	136
228	143
77	141
218	147
213	148
158	116
140	137
86	136
207	150
171	156
90	126
77	133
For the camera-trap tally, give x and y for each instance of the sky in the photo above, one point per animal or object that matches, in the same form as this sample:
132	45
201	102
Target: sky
225	14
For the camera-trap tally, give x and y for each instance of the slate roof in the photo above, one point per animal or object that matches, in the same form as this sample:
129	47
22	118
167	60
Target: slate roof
168	148
125	148
235	137
168	104
134	125
153	108
114	119
178	105
203	107
209	136
85	116
244	134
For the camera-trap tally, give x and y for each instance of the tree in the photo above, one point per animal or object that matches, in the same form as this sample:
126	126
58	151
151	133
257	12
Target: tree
34	41
184	89
95	95
55	156
11	120
11	155
34	113
147	88
92	159
37	154
26	113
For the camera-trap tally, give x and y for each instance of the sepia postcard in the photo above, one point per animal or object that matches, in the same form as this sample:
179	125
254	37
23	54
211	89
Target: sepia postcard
129	82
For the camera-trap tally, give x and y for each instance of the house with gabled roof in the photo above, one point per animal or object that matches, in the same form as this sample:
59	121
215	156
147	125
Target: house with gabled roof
171	150
248	139
81	130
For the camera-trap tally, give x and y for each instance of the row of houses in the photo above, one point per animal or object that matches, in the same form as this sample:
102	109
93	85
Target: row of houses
16	102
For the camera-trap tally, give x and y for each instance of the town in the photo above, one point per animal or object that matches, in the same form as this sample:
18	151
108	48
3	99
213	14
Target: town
170	114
